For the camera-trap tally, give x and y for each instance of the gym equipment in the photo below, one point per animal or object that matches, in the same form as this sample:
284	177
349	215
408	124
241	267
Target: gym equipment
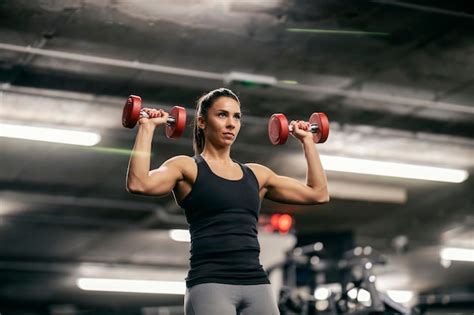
279	129
132	112
307	268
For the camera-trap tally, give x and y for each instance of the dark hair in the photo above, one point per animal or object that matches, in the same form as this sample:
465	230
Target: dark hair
202	106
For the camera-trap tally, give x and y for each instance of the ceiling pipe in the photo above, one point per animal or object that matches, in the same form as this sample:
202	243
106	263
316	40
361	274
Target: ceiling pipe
113	62
224	77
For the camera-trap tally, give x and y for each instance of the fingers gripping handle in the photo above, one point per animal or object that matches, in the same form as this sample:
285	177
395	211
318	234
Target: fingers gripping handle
170	121
143	114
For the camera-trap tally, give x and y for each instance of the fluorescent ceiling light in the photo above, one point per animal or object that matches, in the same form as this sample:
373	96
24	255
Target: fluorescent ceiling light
249	79
180	235
134	286
56	135
375	193
400	296
392	169
459	254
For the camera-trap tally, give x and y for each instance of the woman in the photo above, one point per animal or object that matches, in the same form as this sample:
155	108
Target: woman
221	199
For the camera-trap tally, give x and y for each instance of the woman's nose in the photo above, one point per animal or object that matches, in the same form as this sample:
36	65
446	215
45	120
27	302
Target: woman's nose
230	123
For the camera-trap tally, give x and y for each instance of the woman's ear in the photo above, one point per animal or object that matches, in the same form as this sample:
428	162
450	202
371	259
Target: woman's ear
201	122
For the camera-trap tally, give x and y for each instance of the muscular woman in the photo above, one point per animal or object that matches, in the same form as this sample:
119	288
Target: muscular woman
221	199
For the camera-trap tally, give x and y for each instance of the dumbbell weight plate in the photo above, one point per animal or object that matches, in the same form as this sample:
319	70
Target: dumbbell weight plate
278	130
176	129
131	111
323	127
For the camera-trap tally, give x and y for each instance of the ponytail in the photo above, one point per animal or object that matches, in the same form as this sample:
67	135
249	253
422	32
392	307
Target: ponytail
198	133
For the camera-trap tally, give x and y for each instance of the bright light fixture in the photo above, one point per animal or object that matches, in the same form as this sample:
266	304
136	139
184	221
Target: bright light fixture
133	286
370	192
180	235
250	79
56	135
400	296
322	293
363	295
459	254
392	169
352	293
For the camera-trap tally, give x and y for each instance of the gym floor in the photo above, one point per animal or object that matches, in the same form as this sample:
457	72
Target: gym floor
395	79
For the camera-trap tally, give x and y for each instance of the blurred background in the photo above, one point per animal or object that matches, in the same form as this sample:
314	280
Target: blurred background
395	78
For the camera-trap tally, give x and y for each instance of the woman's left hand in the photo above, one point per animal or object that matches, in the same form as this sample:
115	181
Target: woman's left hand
301	130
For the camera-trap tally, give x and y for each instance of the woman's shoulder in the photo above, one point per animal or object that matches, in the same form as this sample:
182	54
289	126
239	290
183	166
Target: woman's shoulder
257	166
259	169
180	161
186	165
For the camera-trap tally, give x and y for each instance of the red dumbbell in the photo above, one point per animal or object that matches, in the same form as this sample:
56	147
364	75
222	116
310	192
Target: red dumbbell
132	112
279	129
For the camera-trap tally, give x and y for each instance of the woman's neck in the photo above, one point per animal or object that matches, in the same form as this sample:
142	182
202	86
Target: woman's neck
221	156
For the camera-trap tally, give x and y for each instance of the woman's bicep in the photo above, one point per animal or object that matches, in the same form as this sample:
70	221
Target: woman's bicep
289	190
284	189
161	181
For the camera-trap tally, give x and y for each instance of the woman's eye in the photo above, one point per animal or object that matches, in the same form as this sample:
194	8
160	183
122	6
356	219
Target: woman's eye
237	117
222	115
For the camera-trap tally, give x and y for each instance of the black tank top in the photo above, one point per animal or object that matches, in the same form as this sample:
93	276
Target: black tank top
222	215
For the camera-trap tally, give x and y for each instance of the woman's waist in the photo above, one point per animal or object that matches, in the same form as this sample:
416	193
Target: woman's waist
202	217
243	259
225	243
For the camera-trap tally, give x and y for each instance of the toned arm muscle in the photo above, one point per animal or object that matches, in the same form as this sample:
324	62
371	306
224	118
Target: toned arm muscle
286	189
161	181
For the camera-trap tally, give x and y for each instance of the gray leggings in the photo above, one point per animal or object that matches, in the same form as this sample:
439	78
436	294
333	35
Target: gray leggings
229	299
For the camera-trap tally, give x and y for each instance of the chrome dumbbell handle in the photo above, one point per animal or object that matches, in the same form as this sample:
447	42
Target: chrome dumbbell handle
313	128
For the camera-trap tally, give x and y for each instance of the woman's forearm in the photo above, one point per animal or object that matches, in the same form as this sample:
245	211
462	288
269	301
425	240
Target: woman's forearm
315	174
139	164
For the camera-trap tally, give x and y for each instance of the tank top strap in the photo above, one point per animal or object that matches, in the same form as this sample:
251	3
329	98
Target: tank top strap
242	166
198	158
248	173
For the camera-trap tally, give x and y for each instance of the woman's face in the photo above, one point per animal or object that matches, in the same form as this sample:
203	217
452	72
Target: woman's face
223	122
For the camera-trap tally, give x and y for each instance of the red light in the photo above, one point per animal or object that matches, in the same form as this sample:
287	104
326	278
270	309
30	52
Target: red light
274	221
284	223
281	222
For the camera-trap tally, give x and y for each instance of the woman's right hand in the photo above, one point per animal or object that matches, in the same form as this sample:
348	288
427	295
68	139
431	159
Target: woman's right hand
156	117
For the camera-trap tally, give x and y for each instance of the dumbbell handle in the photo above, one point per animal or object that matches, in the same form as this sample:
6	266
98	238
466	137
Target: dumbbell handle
170	121
313	128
